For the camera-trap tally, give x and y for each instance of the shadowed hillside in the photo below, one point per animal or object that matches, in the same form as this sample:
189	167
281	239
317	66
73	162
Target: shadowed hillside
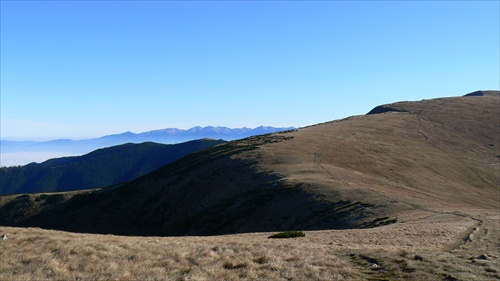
103	167
438	156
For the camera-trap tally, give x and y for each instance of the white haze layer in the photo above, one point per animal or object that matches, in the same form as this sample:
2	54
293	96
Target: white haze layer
8	159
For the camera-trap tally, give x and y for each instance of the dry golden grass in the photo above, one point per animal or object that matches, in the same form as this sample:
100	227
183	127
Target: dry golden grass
422	246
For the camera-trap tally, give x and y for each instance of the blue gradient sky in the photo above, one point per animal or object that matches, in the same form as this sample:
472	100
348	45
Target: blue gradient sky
86	69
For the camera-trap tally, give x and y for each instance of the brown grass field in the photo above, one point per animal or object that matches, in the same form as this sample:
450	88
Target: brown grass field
422	246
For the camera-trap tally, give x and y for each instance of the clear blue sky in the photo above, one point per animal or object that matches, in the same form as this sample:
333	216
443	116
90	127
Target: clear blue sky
85	69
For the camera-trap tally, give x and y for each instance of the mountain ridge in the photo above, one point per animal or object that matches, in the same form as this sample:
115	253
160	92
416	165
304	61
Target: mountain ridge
431	157
232	132
99	168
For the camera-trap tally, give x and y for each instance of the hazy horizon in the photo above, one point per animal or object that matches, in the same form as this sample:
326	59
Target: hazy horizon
16	152
42	139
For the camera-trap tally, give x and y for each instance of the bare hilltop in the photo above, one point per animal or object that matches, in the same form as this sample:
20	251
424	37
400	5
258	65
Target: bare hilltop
410	190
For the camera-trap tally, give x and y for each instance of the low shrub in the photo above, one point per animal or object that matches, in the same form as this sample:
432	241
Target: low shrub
229	265
288	234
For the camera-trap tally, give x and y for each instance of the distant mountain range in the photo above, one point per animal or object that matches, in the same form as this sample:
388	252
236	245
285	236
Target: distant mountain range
166	136
103	167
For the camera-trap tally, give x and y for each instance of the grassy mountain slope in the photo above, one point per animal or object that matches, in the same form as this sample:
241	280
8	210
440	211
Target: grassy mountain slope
99	168
429	157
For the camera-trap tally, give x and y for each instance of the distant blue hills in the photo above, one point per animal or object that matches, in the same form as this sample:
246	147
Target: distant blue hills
163	136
